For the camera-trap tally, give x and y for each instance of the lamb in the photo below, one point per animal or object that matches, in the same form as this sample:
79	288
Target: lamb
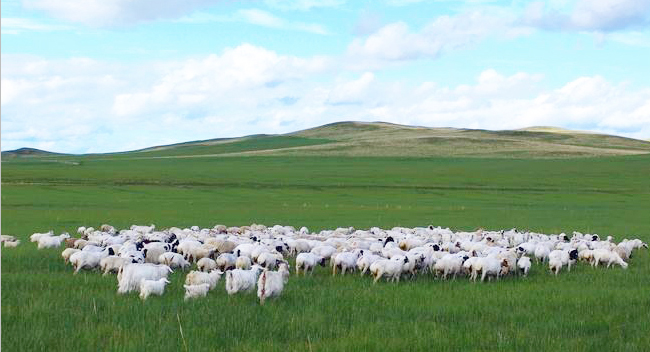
206	264
307	262
271	283
174	260
524	265
152	287
243	262
238	280
198	277
195	291
609	257
392	269
129	276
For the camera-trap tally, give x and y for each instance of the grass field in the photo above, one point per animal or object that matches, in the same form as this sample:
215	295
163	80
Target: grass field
45	307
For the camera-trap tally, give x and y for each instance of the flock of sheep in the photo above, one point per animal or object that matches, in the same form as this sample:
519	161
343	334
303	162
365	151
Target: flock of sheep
256	255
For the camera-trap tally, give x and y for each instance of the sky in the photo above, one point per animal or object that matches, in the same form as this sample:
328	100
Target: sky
98	76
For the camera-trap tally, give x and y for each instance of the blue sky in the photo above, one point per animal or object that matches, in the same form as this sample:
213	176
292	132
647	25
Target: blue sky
116	75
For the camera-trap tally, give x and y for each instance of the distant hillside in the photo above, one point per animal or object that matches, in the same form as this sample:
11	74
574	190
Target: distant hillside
26	153
386	139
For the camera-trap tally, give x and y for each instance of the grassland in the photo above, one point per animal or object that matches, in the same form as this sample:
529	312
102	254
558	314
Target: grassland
45	307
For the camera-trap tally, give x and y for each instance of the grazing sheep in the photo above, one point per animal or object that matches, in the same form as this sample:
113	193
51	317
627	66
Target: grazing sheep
345	261
524	265
152	287
196	291
365	261
269	260
199	277
609	257
271	283
243	262
206	264
307	262
88	259
129	276
11	244
450	264
491	266
67	253
392	269
238	280
174	260
226	261
555	265
113	263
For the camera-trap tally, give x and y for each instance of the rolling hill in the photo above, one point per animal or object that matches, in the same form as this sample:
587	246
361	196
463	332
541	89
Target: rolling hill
386	139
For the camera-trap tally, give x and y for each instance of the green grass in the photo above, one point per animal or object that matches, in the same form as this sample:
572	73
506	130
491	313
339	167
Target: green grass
45	307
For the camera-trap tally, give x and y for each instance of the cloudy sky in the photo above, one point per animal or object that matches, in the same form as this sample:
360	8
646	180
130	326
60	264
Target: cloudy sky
116	75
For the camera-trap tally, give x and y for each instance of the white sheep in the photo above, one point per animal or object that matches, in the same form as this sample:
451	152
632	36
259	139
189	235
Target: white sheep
129	276
307	262
88	259
226	261
365	261
51	241
555	265
113	263
491	266
11	244
174	260
271	283
199	277
238	280
67	253
269	260
195	291
206	264
609	257
524	265
450	264
152	287
36	236
243	262
392	269
345	261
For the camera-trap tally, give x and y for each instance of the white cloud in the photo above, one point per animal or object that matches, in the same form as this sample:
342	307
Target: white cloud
17	25
351	92
256	17
397	42
590	15
102	13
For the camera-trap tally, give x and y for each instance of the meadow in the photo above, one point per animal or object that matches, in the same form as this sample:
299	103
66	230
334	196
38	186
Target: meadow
45	307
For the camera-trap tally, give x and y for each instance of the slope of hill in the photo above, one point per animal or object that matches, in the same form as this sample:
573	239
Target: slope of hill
386	139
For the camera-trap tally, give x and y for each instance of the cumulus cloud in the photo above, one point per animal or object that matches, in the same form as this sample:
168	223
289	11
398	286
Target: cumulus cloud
590	15
103	13
397	42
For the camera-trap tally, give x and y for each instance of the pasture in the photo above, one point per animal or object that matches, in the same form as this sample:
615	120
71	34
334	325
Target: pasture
45	307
